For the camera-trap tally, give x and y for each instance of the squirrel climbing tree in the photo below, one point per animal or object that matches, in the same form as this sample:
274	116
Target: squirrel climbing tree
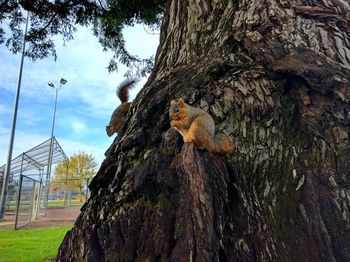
119	114
274	76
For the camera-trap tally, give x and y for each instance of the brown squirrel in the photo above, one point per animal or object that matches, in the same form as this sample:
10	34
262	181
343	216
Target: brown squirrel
197	126
119	114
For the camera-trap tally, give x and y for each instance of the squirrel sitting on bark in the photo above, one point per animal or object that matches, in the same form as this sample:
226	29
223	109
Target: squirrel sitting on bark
119	114
197	126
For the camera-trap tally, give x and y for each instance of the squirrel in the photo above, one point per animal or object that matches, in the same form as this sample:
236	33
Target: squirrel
119	114
197	126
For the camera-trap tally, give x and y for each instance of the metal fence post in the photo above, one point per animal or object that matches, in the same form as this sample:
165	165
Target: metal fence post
31	203
66	187
18	199
86	189
40	193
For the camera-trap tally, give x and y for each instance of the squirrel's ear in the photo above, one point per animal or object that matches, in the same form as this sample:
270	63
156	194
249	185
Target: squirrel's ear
181	102
172	102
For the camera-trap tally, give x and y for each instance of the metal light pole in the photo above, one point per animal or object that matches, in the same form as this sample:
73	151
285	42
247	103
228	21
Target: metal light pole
13	128
49	164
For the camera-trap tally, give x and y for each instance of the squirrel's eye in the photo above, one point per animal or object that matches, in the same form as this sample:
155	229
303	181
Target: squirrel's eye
177	109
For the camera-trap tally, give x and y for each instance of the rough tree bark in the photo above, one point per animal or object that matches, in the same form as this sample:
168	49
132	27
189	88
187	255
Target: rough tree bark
275	76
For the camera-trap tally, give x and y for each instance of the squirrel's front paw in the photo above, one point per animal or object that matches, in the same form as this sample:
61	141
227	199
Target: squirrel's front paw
172	123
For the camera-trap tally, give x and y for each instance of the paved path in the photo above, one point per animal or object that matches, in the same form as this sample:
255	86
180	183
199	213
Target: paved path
54	217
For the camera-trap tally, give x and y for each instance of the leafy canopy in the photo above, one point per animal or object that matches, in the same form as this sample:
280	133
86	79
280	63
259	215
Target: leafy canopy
61	17
79	167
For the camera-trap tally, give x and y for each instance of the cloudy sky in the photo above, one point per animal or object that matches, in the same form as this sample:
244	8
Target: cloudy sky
85	103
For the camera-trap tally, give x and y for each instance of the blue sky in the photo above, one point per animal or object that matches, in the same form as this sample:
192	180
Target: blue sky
85	103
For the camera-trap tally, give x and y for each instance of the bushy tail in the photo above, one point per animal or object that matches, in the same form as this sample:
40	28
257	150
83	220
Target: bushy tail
223	144
123	88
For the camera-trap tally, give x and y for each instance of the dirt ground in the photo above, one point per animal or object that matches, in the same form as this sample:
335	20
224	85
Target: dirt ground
54	217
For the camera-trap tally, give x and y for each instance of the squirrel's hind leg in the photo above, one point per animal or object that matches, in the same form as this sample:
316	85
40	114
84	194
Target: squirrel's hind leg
189	136
200	136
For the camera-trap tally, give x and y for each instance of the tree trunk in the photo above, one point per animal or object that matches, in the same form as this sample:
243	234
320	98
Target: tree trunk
275	77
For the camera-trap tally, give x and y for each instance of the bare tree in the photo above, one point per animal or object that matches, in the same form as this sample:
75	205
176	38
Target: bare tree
275	76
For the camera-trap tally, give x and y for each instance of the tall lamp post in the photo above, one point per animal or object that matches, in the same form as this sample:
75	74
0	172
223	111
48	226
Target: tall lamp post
13	128
49	164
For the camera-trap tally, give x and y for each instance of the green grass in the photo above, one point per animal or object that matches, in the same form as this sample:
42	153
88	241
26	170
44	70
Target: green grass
12	205
28	245
60	203
51	203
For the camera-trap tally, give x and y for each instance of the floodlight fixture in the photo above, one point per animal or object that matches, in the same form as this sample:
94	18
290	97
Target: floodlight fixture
63	81
51	84
49	164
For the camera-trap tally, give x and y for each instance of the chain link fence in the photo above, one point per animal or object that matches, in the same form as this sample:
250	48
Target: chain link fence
29	199
68	192
27	193
12	196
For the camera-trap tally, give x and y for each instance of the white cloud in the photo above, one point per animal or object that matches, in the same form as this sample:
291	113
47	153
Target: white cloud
141	41
9	68
25	141
78	126
30	118
85	103
82	62
4	110
97	151
22	143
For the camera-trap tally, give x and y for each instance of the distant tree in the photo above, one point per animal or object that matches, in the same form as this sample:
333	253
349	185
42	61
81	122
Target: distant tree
50	18
80	167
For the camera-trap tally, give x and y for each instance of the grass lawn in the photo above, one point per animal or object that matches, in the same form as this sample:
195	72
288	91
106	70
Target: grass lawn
50	204
35	245
60	203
